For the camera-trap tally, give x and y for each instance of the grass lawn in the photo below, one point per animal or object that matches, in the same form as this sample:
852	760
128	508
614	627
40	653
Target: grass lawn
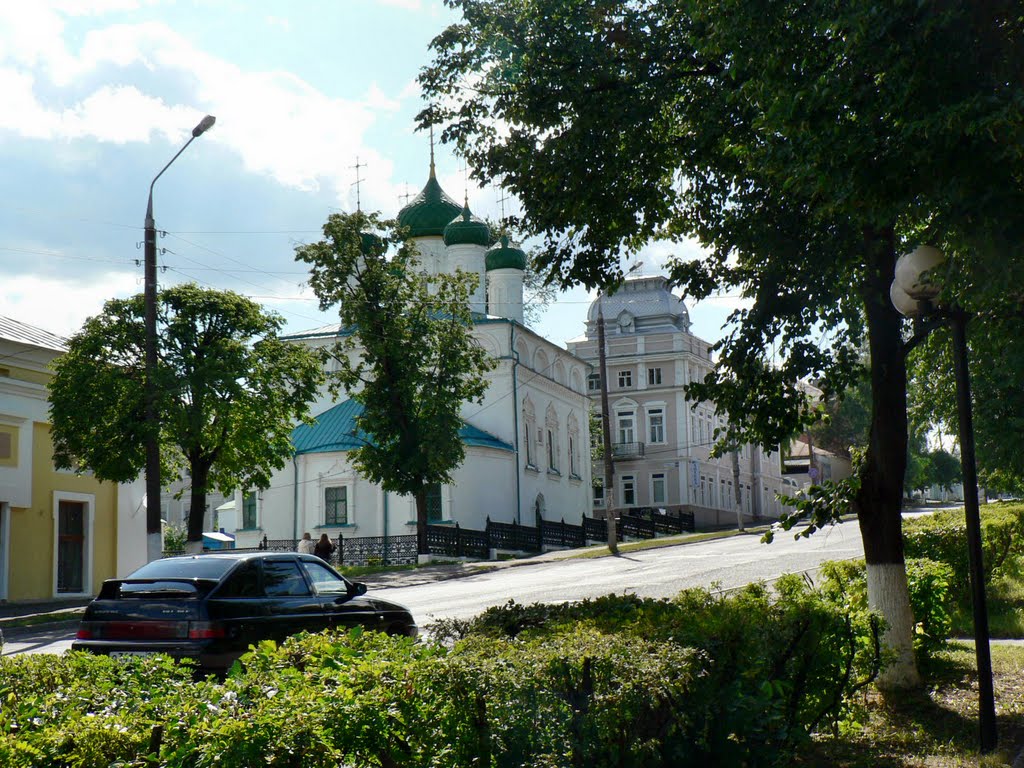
936	727
1005	600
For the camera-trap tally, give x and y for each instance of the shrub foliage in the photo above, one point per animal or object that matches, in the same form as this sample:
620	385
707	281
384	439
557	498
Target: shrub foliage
739	680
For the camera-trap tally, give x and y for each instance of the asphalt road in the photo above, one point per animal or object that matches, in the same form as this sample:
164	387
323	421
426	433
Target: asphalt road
723	564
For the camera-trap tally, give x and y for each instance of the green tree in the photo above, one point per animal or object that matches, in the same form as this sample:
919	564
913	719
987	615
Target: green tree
997	366
229	393
945	469
409	358
846	420
805	144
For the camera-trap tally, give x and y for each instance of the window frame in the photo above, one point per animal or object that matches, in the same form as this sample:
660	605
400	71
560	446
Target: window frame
627	485
655	478
327	521
625	379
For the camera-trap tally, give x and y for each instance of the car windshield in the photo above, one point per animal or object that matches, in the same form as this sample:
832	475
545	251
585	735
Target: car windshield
199	567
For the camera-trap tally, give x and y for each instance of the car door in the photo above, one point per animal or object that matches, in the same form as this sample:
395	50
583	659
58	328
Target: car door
240	606
292	606
341	601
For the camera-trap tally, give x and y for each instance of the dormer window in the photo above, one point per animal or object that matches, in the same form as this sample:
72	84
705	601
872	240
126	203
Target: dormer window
625	321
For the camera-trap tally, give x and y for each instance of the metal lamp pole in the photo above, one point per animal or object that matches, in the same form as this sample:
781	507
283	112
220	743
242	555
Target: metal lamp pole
989	737
153	538
913	295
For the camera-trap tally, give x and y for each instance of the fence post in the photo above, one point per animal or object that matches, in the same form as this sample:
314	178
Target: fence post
458	540
263	544
341	548
562	533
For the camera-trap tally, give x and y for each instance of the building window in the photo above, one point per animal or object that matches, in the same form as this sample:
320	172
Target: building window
552	428
8	446
658	488
573	472
530	432
594	382
653	377
656	425
626	427
435	508
625	379
249	510
598	495
336	505
628	491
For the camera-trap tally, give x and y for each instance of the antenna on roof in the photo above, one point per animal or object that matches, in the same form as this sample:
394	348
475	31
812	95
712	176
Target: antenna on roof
357	182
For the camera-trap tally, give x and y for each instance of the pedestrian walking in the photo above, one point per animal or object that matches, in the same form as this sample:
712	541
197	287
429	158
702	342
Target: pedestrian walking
306	545
324	548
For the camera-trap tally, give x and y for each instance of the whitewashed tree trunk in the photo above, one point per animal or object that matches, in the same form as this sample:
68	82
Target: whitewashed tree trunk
889	596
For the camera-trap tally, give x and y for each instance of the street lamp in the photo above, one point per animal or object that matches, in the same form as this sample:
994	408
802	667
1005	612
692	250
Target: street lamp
914	293
153	538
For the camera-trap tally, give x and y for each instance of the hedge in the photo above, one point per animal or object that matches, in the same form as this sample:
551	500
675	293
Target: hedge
942	537
740	680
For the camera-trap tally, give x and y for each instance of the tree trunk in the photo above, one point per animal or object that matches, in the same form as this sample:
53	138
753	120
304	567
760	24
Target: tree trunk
879	500
421	523
197	505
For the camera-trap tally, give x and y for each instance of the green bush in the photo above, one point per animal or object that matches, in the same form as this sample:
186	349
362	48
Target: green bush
942	537
700	680
929	583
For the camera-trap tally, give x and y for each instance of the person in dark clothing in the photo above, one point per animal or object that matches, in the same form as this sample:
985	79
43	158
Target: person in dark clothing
324	548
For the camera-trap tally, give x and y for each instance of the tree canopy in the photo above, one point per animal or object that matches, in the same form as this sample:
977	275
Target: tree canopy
407	355
804	144
229	393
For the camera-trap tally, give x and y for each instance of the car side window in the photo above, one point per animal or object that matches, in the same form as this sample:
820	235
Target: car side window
325	581
282	578
243	582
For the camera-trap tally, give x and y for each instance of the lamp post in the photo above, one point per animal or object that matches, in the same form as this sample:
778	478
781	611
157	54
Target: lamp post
913	293
153	538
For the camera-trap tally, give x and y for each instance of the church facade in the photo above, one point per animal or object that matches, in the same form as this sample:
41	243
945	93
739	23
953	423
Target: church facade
527	443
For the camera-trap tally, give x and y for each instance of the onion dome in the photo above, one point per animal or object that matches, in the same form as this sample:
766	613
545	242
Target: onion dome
505	256
430	211
467	229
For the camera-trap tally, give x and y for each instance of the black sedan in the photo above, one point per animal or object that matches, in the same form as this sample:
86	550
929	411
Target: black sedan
211	608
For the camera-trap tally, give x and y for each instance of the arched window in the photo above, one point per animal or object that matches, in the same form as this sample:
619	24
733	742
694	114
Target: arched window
551	426
530	434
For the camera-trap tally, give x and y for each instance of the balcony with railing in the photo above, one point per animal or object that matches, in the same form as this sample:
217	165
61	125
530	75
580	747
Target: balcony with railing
628	450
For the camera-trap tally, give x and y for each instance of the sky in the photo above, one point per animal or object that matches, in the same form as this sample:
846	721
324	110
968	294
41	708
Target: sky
96	96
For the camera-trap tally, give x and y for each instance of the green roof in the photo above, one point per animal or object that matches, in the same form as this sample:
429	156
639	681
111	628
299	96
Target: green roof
505	256
467	229
335	430
430	211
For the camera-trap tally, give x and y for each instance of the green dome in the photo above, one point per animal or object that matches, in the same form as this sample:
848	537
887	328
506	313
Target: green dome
505	256
429	212
467	229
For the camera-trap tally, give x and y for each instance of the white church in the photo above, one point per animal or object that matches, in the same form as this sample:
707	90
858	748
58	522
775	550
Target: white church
527	444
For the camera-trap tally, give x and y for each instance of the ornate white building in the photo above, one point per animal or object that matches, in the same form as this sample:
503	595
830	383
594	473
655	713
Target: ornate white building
662	441
527	443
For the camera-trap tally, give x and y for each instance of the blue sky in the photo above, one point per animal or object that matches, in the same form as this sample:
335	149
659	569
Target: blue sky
97	95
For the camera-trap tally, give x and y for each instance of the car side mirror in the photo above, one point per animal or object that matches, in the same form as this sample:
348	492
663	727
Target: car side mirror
358	588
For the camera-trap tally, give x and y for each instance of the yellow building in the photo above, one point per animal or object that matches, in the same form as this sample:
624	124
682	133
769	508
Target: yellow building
61	533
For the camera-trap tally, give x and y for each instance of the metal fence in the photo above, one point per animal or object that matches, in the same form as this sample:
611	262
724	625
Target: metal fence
456	541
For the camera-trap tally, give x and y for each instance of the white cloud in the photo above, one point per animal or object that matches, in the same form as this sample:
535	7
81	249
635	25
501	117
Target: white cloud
67	304
278	124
